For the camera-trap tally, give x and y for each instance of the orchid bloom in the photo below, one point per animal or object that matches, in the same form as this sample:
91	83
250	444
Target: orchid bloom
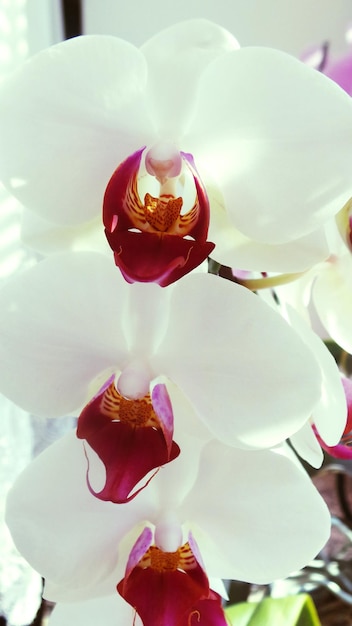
143	353
178	122
269	521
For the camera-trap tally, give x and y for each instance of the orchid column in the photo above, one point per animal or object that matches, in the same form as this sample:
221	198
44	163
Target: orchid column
185	385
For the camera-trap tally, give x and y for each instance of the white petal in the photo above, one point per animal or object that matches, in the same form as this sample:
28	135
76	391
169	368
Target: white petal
174	480
268	521
306	445
333	302
275	135
47	238
59	330
70	537
238	362
330	413
187	424
79	543
297	294
176	57
217	585
110	611
146	316
68	117
238	251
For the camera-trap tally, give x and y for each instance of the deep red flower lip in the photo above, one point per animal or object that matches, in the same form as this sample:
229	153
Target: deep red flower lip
142	251
164	259
128	450
169	588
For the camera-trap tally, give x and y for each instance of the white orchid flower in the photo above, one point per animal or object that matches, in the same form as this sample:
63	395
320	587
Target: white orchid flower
188	118
137	353
255	516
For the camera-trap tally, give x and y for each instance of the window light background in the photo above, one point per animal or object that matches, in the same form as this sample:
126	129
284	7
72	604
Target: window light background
289	25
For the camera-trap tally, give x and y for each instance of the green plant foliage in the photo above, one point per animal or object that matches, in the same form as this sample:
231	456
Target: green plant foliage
291	611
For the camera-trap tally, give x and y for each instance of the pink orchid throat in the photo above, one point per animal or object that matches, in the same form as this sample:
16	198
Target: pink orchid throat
169	588
152	240
131	438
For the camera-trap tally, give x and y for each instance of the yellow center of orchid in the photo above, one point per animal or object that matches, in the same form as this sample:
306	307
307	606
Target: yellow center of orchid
164	561
162	212
160	561
135	412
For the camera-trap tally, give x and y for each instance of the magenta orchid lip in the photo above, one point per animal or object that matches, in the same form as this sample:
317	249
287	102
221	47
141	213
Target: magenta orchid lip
131	437
186	591
151	239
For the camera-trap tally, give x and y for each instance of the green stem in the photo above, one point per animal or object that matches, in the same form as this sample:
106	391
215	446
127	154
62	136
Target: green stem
269	281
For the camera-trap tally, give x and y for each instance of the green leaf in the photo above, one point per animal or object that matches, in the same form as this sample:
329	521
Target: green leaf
291	611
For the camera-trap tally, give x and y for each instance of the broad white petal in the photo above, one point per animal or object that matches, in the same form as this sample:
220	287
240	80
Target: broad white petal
238	251
187	424
333	301
47	238
238	362
77	542
61	327
276	136
68	117
330	413
306	445
176	57
145	317
258	513
297	294
110	611
70	537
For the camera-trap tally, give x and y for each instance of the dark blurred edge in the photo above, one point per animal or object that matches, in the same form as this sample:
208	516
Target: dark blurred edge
72	18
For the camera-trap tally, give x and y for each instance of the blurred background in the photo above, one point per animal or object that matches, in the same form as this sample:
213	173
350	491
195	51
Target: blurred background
283	24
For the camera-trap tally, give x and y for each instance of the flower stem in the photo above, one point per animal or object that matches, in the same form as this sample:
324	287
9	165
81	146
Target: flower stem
268	281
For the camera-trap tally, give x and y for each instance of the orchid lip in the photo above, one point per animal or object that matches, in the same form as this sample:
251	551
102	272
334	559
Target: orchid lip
176	578
156	215
132	438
